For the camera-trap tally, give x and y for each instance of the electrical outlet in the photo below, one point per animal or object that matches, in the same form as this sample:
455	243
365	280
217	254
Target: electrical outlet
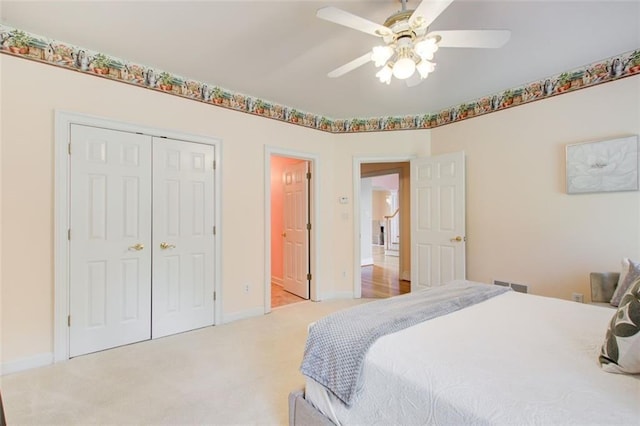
246	288
344	274
577	297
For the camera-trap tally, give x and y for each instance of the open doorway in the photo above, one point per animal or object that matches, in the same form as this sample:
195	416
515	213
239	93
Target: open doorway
384	229
290	230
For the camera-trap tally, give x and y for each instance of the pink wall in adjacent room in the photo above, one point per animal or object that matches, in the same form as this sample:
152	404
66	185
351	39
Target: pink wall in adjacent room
277	215
390	182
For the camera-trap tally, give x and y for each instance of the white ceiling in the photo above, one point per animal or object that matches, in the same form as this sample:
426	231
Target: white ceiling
280	52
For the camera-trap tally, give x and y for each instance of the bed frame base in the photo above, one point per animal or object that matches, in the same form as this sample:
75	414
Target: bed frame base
302	413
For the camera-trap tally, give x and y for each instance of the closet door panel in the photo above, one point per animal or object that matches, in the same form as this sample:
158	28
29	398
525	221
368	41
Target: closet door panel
183	250
110	239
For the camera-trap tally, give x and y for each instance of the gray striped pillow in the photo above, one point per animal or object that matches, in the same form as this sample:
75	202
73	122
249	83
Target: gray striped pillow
632	275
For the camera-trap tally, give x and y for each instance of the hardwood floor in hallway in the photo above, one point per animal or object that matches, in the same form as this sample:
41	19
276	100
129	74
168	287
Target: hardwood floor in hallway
382	279
281	297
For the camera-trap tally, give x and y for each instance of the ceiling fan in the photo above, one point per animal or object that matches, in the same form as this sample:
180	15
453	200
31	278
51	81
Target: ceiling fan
408	45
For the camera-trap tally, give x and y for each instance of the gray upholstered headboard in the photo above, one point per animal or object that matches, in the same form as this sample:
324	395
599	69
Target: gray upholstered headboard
3	421
603	284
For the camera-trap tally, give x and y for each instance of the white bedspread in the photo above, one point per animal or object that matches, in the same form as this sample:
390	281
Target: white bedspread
512	360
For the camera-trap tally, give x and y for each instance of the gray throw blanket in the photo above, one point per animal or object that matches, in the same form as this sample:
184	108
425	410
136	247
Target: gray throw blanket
337	344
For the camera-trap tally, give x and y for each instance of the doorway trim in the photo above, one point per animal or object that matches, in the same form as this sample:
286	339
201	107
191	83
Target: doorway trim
314	266
357	162
63	121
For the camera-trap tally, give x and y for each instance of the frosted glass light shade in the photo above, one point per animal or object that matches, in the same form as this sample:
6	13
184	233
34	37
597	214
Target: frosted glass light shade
426	48
381	54
425	67
384	75
404	68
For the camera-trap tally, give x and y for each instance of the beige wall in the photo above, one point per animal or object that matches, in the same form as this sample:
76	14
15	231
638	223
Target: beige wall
521	225
30	94
1	261
379	204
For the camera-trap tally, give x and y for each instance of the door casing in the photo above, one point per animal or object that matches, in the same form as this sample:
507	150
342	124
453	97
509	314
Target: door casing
63	121
316	230
357	162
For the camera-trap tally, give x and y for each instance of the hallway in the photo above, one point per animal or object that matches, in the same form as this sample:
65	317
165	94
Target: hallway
381	279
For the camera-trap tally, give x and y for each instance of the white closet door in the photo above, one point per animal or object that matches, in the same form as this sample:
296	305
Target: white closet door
183	248
110	239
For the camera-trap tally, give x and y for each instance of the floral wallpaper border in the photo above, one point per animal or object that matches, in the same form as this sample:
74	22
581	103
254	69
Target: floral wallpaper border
30	46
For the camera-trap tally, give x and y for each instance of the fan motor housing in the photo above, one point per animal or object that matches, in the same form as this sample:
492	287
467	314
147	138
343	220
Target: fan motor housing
403	15
400	26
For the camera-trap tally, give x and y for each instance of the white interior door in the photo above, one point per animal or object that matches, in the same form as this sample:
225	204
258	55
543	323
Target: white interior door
296	232
110	239
437	220
183	239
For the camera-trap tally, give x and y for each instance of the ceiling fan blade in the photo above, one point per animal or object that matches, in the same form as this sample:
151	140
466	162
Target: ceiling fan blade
414	80
489	39
350	66
339	16
428	11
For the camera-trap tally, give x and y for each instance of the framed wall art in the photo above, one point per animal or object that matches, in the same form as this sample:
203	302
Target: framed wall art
603	166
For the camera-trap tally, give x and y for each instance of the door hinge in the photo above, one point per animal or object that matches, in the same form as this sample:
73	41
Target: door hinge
68	320
308	277
69	148
308	175
214	230
308	227
214	296
69	234
214	164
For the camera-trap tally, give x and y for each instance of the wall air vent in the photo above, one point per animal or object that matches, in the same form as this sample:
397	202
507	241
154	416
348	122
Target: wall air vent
520	288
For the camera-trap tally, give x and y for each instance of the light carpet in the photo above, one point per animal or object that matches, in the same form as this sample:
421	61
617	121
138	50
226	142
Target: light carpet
237	373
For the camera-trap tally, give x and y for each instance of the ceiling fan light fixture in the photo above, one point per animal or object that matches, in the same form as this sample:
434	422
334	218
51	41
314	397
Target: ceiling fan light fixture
408	43
424	68
381	54
384	75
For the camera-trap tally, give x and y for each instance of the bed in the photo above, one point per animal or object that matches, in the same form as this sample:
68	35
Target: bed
511	359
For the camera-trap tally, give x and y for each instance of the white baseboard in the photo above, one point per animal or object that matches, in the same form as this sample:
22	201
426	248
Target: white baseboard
367	261
249	313
26	363
277	281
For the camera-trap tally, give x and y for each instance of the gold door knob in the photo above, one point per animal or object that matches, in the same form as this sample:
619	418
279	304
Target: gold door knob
137	247
284	234
165	246
456	239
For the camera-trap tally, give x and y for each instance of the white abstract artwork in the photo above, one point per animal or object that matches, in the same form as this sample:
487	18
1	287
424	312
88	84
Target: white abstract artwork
606	166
